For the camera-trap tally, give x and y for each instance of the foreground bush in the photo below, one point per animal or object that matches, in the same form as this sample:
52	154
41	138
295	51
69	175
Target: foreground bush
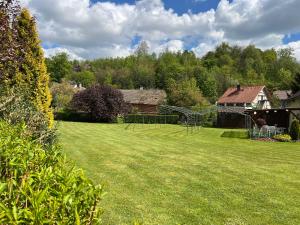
295	130
283	137
16	107
37	186
161	119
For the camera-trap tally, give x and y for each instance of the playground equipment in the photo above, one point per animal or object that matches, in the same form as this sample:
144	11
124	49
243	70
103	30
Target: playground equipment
191	120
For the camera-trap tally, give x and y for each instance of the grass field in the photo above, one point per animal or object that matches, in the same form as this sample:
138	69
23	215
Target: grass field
161	175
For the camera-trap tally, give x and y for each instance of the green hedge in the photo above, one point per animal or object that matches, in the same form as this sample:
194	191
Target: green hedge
150	119
295	130
236	134
72	116
37	186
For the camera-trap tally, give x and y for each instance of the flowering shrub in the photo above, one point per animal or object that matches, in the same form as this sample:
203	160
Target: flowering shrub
283	137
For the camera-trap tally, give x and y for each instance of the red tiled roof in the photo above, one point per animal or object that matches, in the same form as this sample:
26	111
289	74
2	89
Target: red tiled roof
244	95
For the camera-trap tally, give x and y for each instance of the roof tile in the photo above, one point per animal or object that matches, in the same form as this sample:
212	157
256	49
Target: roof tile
244	95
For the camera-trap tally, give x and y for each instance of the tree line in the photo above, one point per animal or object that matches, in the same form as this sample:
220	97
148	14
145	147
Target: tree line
182	74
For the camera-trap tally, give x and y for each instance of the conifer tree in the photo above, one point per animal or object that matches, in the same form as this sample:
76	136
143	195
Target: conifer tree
9	11
33	72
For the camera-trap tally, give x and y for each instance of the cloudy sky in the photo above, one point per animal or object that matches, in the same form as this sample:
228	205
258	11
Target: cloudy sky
109	28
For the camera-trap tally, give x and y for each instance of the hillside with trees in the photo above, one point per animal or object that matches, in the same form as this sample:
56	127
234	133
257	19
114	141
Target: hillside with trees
212	74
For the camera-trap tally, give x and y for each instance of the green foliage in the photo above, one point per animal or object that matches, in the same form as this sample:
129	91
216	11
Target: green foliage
33	68
59	66
39	187
295	130
283	137
85	78
68	115
184	93
62	94
236	134
18	108
151	119
214	73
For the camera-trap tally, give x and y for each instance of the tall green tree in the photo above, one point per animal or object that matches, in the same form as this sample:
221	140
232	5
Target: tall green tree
85	78
184	93
59	66
33	73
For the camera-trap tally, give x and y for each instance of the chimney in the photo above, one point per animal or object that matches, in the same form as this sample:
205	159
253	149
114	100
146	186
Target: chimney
238	87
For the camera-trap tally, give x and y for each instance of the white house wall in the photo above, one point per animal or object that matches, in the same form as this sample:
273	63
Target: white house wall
262	96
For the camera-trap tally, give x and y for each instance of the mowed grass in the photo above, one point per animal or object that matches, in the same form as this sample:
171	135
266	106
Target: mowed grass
160	175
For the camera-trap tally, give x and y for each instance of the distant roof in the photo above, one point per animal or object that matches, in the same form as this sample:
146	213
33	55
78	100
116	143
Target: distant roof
146	97
244	95
293	96
282	94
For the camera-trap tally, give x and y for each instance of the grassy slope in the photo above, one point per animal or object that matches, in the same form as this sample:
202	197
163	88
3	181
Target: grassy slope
163	176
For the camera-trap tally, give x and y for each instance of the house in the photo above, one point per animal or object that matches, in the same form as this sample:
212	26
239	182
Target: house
282	96
246	97
145	101
236	100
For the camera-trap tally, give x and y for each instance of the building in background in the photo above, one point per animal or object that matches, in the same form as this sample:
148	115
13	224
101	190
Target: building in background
282	96
145	101
233	104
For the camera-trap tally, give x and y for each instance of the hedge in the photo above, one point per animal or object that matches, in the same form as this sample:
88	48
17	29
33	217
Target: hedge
151	119
38	186
72	116
236	134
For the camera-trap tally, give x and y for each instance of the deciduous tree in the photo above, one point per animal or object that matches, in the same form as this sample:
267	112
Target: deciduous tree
102	103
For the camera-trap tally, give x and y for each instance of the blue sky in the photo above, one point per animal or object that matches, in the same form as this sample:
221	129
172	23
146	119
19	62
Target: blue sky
179	6
114	28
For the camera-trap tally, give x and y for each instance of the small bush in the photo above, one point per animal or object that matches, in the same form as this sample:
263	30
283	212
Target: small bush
39	187
236	134
18	108
295	130
160	119
102	103
283	137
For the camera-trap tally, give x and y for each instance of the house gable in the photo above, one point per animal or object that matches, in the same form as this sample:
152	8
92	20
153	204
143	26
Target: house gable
250	97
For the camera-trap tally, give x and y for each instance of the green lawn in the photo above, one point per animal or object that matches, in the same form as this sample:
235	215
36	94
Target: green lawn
161	175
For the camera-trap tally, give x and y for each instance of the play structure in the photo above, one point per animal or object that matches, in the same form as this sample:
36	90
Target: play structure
191	120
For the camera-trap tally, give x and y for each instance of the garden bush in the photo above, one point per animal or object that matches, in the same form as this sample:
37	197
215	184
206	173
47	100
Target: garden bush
236	134
150	119
40	187
102	103
16	107
283	137
295	130
67	115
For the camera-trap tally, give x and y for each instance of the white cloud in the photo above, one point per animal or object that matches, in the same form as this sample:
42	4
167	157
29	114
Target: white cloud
295	46
172	46
54	51
106	29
